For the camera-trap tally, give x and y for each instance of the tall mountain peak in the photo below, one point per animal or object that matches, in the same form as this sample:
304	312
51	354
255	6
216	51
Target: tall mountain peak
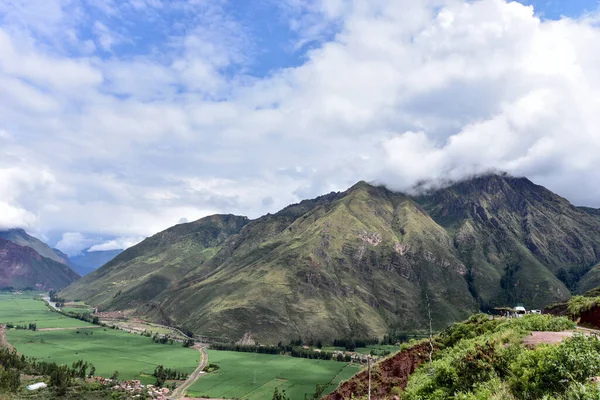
357	263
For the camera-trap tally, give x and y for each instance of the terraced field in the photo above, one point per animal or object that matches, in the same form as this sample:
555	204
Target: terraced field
255	376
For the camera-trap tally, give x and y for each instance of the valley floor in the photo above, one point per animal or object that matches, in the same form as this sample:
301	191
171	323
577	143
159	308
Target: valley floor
64	340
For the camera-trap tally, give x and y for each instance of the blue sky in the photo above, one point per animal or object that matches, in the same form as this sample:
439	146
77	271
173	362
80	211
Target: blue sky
555	9
121	118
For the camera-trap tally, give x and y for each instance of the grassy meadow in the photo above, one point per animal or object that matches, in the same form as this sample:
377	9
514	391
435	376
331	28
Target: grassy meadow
23	309
255	376
108	349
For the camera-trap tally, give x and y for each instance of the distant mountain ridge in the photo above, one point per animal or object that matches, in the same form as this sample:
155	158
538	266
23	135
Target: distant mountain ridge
23	267
22	238
89	261
361	263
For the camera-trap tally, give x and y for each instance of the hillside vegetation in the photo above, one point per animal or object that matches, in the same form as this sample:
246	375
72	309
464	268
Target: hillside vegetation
361	263
483	358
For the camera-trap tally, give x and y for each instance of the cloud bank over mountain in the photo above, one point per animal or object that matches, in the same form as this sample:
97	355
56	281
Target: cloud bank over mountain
122	118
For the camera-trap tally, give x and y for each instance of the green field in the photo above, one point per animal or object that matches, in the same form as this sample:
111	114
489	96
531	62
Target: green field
108	349
78	307
241	375
240	371
21	309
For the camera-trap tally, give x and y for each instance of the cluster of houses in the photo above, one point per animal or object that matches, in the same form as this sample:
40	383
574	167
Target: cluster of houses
135	386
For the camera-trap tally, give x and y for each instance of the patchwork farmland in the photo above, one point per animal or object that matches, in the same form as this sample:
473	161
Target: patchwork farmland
255	376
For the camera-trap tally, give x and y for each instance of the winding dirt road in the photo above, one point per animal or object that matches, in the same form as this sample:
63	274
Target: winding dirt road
183	388
3	341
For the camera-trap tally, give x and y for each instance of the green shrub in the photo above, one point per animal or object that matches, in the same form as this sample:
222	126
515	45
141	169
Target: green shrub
580	391
550	370
493	389
469	363
476	325
542	322
483	358
579	304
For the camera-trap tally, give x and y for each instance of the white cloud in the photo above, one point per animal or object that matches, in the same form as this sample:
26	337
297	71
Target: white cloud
73	243
22	189
121	243
404	91
11	216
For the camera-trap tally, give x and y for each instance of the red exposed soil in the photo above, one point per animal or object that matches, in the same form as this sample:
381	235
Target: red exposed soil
591	317
389	373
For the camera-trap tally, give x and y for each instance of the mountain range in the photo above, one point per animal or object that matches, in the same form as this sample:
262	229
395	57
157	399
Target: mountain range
361	263
23	267
29	262
89	261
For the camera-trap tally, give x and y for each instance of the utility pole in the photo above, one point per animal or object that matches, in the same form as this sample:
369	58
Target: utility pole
369	368
430	331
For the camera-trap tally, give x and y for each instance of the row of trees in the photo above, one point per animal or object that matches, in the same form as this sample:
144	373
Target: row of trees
351	344
162	339
293	351
163	374
247	348
32	326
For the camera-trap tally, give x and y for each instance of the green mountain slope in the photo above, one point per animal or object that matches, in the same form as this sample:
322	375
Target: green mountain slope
516	238
589	281
360	263
337	270
23	267
20	237
142	272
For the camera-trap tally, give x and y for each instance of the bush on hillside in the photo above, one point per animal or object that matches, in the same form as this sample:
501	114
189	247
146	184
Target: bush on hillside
542	322
579	304
552	369
484	358
476	325
460	368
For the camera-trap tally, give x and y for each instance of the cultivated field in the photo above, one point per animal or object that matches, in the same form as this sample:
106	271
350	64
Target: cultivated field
255	376
133	356
21	309
77	307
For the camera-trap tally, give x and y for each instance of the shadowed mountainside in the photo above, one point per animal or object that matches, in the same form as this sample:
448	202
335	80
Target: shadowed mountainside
23	267
20	237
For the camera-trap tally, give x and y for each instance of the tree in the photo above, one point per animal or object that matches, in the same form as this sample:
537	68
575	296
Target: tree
277	395
319	389
10	379
160	375
115	376
60	379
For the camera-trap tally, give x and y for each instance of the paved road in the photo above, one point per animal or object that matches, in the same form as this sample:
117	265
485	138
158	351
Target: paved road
183	388
51	303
